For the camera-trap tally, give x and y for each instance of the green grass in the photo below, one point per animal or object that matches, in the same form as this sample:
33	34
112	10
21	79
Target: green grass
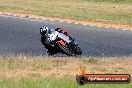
53	83
58	72
119	11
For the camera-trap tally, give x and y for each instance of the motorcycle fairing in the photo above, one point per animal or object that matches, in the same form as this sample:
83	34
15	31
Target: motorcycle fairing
61	42
64	37
54	34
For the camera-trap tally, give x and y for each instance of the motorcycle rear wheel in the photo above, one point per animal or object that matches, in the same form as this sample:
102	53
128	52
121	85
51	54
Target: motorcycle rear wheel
78	50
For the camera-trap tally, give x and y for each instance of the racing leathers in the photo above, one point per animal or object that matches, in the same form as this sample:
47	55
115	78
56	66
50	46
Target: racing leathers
47	41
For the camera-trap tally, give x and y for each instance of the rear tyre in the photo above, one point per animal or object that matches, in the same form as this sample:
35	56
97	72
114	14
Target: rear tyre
78	50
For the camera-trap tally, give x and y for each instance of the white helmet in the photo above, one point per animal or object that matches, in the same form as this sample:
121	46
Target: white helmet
43	30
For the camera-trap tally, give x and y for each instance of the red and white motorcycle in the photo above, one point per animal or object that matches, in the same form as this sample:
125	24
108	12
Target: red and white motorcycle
61	43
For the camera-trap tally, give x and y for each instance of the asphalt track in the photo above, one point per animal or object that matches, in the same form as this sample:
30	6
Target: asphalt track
21	36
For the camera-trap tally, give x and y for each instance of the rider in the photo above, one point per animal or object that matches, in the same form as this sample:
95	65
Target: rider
44	31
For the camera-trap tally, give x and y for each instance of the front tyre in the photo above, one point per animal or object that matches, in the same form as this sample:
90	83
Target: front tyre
64	49
52	51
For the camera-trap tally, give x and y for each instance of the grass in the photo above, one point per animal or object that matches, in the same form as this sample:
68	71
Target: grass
63	66
53	83
115	1
58	72
118	11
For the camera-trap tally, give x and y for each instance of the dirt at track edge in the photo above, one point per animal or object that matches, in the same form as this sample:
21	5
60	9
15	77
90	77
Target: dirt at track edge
123	26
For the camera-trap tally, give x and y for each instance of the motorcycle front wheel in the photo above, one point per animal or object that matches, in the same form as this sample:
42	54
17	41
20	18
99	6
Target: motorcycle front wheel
65	49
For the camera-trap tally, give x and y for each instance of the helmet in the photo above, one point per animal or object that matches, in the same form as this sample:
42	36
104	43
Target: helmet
43	30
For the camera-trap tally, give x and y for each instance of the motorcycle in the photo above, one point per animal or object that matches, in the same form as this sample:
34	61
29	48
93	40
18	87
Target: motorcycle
61	43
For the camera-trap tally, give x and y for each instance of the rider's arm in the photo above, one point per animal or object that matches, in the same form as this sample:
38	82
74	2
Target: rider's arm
57	29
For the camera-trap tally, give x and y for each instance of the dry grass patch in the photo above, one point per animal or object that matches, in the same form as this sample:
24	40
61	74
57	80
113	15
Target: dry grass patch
110	13
27	66
81	10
